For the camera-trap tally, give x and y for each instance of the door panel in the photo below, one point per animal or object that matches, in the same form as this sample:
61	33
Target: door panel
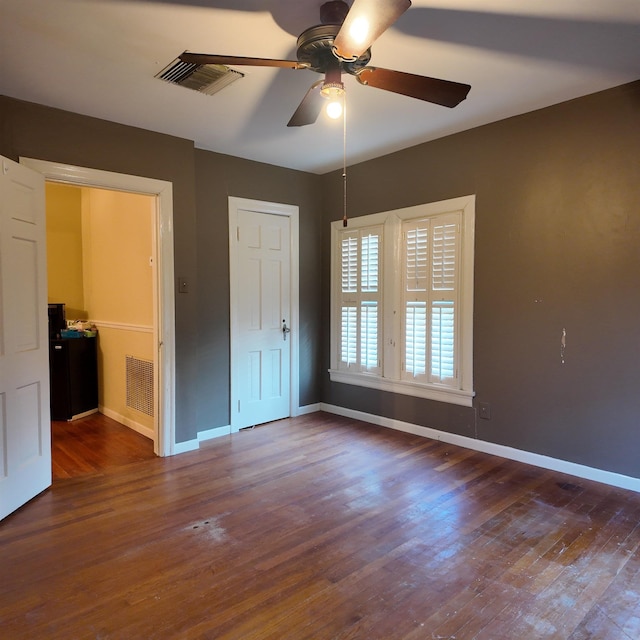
261	348
25	262
25	434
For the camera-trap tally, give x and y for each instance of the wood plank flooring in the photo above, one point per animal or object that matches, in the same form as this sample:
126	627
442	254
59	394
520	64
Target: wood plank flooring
320	528
94	444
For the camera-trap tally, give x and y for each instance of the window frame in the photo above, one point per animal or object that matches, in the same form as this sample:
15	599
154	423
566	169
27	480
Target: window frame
391	378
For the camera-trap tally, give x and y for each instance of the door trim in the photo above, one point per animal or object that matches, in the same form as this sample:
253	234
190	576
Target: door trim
292	212
164	312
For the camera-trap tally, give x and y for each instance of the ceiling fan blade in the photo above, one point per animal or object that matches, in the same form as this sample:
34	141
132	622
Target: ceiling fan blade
310	107
207	58
365	22
443	92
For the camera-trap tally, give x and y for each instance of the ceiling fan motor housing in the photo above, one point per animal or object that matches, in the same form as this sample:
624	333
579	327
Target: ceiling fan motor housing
315	49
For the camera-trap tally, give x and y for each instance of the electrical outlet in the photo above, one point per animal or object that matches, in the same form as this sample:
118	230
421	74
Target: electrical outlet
484	409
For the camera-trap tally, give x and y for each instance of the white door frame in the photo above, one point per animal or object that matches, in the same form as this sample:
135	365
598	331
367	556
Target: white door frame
164	312
292	212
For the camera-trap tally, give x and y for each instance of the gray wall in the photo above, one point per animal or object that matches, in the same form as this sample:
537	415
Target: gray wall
557	246
217	177
201	183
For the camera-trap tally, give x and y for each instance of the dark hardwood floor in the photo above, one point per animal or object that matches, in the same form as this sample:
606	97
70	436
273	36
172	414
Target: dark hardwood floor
95	444
322	527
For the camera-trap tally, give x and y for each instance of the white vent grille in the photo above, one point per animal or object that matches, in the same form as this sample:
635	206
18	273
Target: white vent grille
205	78
140	385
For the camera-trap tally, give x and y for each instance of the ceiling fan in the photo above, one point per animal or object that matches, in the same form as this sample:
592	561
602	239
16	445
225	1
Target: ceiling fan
341	43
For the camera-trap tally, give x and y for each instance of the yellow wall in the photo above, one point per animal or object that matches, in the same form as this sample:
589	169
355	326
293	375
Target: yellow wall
64	248
118	290
117	248
99	247
114	345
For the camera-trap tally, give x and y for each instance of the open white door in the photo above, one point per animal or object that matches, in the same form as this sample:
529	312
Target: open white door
25	429
264	316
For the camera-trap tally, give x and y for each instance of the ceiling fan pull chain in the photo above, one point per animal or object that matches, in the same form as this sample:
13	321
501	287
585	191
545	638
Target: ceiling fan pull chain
344	156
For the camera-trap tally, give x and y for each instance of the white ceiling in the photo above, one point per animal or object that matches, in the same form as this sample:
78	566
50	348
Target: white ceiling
99	58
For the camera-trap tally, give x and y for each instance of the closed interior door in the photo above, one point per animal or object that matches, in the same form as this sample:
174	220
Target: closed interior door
261	345
25	436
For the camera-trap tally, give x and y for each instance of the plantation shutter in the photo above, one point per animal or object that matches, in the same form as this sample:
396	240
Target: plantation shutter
349	290
444	298
360	300
414	285
430	296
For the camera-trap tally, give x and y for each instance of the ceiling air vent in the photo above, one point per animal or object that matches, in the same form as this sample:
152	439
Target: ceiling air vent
205	78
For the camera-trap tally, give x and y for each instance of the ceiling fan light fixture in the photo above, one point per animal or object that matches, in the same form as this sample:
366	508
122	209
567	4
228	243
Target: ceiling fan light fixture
334	93
334	109
332	90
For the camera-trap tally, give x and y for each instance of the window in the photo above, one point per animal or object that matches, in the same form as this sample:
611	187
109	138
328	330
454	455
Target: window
402	301
360	301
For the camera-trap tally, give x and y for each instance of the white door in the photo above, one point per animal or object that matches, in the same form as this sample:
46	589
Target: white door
262	320
25	429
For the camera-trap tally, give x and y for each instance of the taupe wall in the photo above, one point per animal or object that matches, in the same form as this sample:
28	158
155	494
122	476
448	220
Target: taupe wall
201	183
217	178
557	246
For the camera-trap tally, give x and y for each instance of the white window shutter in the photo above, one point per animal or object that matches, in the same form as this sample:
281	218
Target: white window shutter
416	338
430	293
369	334
444	274
349	336
370	262
445	268
415	290
349	263
360	327
417	256
443	343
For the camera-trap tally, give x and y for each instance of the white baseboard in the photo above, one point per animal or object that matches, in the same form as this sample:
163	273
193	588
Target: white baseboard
536	459
310	408
216	432
128	422
188	445
208	434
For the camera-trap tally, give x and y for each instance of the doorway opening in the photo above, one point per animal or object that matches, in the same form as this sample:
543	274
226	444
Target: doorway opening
101	267
162	331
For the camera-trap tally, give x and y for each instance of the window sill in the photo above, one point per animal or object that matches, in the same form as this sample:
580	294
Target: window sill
430	392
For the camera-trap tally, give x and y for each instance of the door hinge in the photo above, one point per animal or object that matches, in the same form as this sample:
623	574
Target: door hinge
238	234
